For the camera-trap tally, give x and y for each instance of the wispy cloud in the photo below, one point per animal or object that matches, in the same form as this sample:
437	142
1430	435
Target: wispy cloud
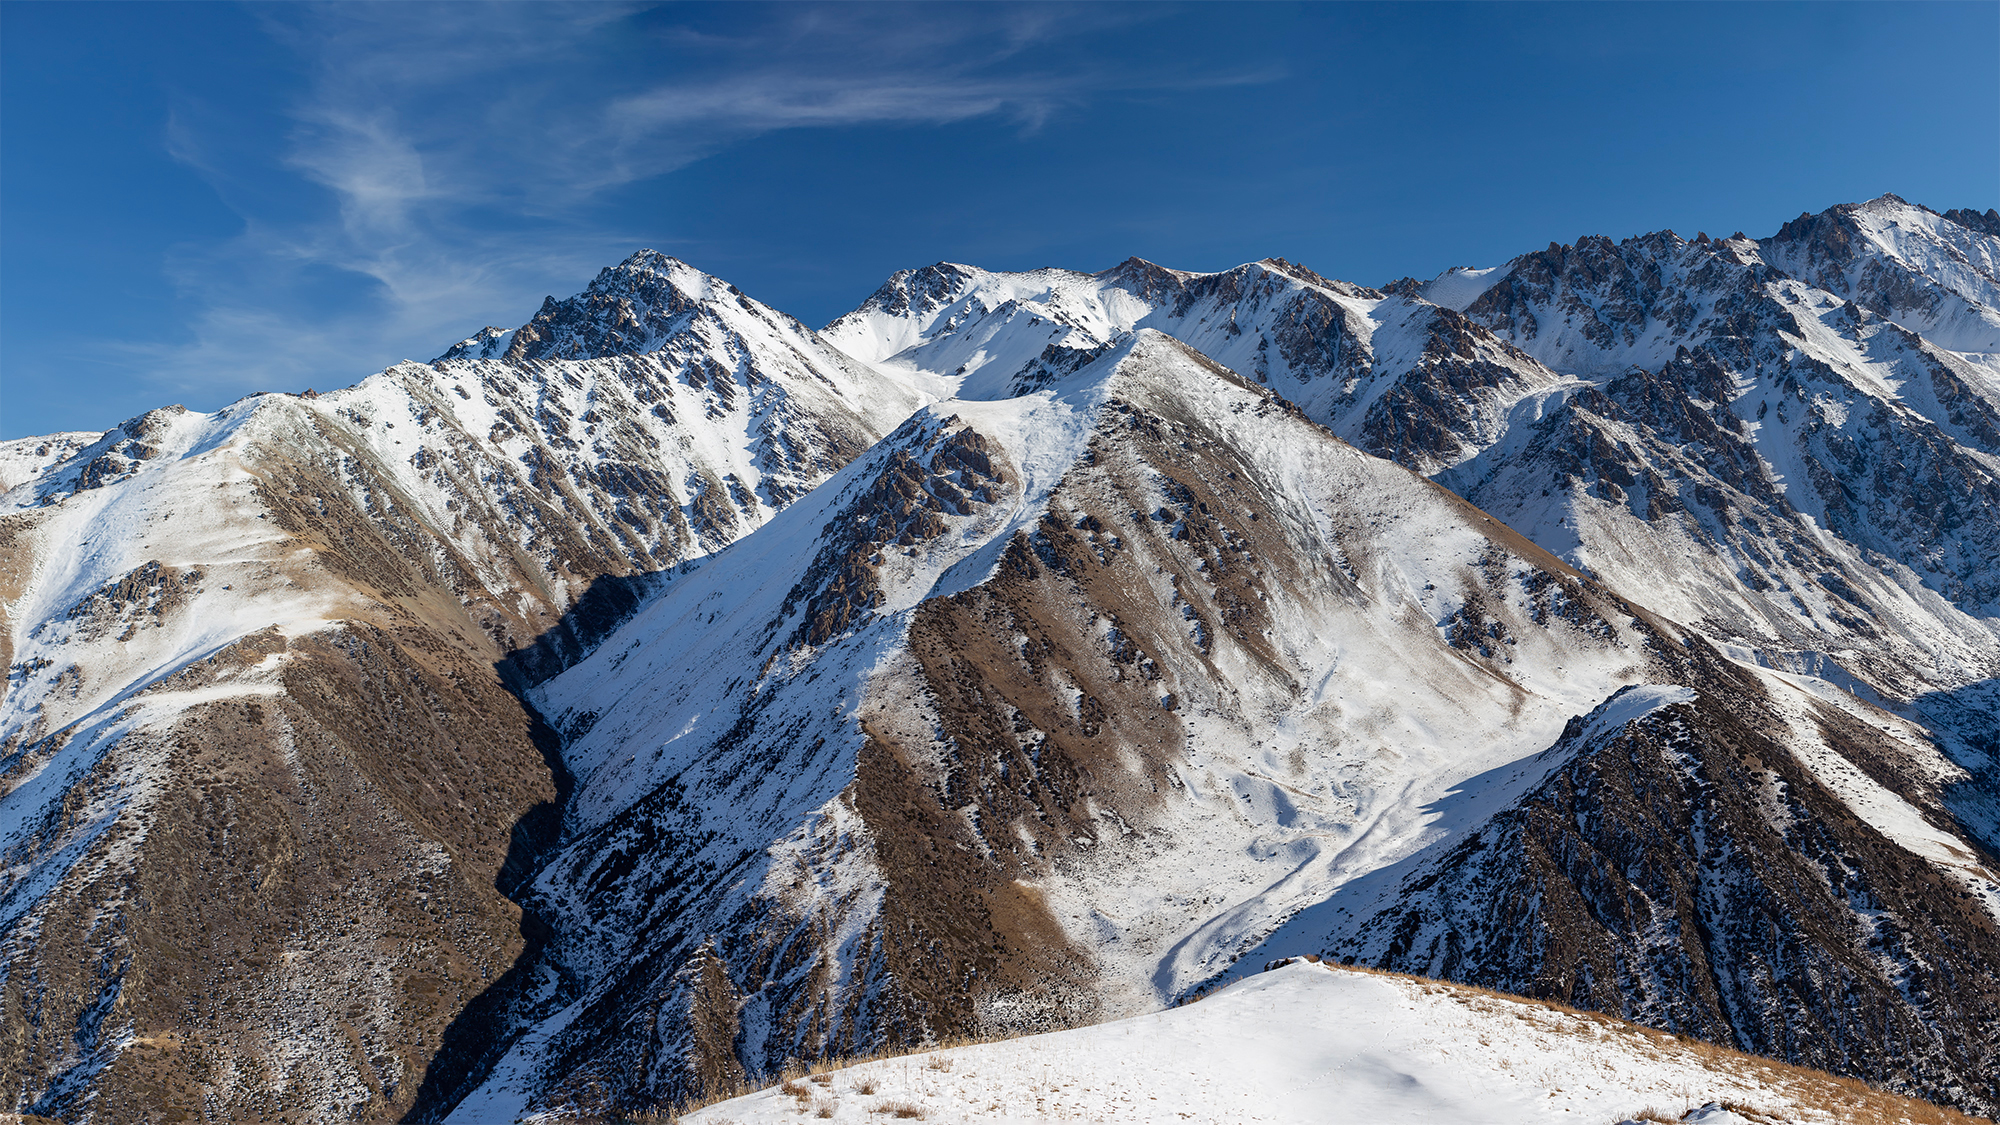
447	162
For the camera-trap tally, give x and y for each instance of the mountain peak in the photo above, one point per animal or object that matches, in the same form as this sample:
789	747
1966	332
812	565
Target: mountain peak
1936	274
1147	280
1029	648
647	263
627	309
1300	273
1886	208
921	290
1846	216
489	342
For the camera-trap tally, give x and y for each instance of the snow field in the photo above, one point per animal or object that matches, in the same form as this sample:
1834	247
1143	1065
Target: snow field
1313	1044
24	459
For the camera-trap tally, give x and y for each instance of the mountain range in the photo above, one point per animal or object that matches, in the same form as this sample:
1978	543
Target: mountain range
622	706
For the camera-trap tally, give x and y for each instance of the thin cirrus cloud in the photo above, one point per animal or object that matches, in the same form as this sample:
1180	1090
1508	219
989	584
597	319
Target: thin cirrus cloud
447	164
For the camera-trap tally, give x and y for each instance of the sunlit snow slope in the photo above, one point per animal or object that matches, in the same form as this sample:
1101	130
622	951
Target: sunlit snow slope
1145	619
1306	1044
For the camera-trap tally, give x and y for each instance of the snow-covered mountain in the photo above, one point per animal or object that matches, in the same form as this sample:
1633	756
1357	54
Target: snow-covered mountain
1747	414
1792	469
256	718
622	705
1149	658
1736	413
1753	438
1935	275
1789	468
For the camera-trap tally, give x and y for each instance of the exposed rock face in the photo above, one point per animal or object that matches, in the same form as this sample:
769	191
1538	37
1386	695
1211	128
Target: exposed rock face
1621	403
1794	470
1985	223
1938	275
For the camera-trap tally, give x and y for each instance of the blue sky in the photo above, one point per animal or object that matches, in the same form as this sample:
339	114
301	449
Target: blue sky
202	201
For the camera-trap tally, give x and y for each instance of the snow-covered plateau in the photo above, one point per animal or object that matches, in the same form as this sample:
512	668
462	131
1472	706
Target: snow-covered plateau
634	704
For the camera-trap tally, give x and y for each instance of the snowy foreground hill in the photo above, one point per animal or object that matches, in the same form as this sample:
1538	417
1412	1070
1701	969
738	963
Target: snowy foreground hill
625	706
1306	1044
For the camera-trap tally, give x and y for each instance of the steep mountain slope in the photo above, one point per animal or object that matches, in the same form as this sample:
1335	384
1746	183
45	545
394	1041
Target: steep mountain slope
24	459
1935	275
1798	412
1789	468
1142	619
1319	1045
1728	867
1782	462
263	786
1042	712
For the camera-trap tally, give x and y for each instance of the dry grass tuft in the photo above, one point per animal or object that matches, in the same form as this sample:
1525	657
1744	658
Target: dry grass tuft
900	1109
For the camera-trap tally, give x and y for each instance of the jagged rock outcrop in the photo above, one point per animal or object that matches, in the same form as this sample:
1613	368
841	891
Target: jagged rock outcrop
1937	275
1794	470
